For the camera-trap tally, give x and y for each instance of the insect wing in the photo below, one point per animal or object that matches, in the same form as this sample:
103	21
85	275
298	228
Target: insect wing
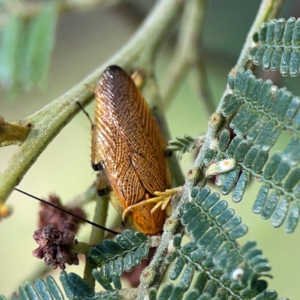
127	139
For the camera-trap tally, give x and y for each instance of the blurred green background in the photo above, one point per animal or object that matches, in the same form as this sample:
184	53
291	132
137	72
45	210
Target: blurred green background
84	41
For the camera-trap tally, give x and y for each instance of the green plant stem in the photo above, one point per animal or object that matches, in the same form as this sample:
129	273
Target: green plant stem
201	83
268	9
13	133
97	234
186	51
82	248
86	197
48	121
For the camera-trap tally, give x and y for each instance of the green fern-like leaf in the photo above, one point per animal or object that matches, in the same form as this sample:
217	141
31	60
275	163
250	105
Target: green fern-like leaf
42	289
75	286
113	257
25	48
257	113
10	39
199	291
184	144
220	267
278	46
38	46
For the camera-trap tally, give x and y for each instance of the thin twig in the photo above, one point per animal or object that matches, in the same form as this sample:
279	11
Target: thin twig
201	82
97	235
270	9
186	52
84	198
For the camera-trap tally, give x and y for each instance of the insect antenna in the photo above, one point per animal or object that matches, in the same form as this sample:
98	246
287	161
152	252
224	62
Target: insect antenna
85	112
67	212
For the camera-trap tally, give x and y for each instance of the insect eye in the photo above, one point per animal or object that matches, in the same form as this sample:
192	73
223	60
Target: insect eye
97	167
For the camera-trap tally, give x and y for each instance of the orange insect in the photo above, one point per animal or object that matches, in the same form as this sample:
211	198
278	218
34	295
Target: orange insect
128	146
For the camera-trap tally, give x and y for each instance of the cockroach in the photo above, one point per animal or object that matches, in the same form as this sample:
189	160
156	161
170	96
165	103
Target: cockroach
129	149
127	145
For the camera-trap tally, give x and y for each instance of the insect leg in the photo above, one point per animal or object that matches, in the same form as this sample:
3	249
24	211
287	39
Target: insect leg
162	200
